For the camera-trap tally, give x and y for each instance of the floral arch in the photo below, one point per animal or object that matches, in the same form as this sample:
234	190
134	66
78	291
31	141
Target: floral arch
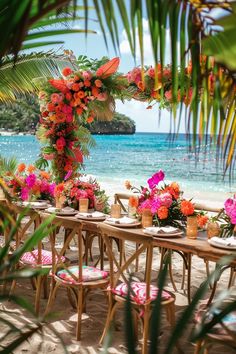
80	95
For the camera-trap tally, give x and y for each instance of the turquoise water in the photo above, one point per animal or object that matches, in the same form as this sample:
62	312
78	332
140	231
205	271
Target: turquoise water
135	157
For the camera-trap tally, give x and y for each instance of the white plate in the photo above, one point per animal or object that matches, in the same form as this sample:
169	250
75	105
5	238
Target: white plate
221	245
34	205
92	216
61	212
119	223
153	231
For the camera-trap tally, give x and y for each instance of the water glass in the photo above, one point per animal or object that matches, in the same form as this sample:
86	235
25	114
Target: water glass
83	205
115	211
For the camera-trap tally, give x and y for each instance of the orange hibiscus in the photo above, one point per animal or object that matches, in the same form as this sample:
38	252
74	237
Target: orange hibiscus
21	167
187	208
162	212
31	168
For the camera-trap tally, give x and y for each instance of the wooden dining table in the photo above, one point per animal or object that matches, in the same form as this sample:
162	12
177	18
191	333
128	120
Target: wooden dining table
187	247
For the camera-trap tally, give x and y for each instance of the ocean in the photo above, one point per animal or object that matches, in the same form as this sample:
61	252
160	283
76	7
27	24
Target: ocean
117	158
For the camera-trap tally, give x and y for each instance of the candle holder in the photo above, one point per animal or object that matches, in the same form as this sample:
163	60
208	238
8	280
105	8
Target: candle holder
115	211
191	230
83	205
147	218
213	229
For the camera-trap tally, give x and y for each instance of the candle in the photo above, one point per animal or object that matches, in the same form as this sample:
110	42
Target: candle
83	205
115	211
147	218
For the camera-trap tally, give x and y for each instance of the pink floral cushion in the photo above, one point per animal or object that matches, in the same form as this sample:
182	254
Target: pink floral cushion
88	274
139	290
32	257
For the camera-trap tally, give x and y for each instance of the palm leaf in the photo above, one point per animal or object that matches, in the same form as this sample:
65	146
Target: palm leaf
17	78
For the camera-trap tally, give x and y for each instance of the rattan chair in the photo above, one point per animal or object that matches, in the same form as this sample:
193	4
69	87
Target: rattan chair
143	293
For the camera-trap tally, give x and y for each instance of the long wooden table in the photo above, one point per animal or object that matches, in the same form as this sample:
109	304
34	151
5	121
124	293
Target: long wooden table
186	246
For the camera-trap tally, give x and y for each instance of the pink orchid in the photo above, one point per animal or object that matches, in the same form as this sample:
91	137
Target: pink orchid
155	179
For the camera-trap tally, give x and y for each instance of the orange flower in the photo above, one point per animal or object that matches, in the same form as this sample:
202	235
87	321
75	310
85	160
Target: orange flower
128	185
45	174
133	202
31	168
79	111
75	87
68	96
141	85
90	119
66	71
87	83
59	189
95	91
202	220
21	167
187	207
80	94
162	212
98	83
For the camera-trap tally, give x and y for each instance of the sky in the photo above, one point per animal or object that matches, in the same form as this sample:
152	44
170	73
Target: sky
94	47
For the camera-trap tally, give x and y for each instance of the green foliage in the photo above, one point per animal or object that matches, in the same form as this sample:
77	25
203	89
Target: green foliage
7	165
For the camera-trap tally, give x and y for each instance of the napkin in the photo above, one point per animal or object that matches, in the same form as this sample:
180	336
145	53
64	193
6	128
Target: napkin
95	214
124	220
229	241
63	210
35	204
161	230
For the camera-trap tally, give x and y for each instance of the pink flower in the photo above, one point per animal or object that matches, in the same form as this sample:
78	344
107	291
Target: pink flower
165	199
52	189
67	109
56	98
87	75
60	144
30	180
168	95
69	118
67	176
155	179
24	194
230	209
151	72
102	96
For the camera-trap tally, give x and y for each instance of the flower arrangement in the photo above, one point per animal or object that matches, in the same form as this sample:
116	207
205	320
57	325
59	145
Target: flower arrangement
148	83
165	202
227	217
72	190
29	183
65	103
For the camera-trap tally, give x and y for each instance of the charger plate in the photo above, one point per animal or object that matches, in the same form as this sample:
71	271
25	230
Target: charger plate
159	232
61	212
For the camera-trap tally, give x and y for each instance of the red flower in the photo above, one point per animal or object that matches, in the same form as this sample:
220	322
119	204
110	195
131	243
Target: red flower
60	144
87	83
66	71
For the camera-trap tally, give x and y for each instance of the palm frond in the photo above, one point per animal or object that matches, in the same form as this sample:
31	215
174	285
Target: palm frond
17	78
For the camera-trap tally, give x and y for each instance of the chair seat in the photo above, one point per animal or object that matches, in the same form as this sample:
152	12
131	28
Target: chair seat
139	290
88	274
32	258
229	321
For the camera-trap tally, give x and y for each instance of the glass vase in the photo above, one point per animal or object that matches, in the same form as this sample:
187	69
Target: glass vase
213	229
147	218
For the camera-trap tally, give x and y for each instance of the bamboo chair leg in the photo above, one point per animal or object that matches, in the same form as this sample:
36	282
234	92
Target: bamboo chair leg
189	257
110	314
32	280
39	281
79	312
13	286
207	270
71	296
183	277
198	347
137	260
231	277
45	287
146	318
52	295
170	312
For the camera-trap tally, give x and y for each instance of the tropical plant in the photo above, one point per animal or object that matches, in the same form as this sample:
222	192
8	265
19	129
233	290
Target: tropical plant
216	314
14	335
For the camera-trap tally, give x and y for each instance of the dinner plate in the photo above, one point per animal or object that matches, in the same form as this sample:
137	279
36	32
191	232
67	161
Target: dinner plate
154	232
119	223
214	243
34	205
61	212
91	216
